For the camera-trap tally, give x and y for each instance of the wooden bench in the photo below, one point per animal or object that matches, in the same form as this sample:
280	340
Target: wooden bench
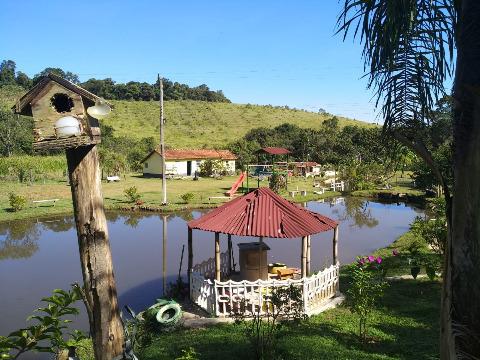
284	274
293	193
45	201
113	178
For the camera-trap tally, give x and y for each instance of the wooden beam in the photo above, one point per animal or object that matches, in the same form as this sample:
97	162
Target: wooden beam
190	254
335	246
95	256
230	249
309	240
217	256
304	256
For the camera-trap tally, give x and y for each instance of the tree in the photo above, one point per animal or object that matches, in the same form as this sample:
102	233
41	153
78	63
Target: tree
15	134
67	75
409	49
7	72
23	80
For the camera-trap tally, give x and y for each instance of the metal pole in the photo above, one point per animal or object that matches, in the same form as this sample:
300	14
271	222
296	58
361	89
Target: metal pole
162	144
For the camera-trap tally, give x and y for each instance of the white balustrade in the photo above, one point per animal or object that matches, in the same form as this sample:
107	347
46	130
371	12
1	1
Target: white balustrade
225	298
207	267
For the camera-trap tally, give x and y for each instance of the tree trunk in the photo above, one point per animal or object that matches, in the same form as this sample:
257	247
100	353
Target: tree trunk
95	257
461	293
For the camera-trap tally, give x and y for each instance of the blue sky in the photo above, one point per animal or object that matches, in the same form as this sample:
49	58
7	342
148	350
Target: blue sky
260	52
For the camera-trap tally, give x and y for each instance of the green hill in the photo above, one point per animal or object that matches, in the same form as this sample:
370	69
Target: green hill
196	124
193	124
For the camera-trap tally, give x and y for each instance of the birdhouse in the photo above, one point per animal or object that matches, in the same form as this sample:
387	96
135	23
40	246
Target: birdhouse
65	115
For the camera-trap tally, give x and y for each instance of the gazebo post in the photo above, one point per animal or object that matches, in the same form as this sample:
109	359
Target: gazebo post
217	256
230	254
309	240
190	254
335	245
304	256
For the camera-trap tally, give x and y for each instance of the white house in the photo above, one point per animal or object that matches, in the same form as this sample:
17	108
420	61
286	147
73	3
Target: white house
185	162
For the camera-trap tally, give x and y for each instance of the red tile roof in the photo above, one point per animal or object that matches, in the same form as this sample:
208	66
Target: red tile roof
200	154
263	213
275	150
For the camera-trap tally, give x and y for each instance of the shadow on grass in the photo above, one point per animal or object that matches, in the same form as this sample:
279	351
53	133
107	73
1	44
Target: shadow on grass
215	343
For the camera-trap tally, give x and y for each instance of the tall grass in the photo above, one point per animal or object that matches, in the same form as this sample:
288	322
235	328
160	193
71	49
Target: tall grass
31	168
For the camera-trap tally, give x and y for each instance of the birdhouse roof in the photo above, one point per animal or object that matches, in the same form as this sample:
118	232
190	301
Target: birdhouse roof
23	104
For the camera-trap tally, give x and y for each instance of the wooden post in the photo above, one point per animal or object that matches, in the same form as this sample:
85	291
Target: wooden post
162	145
230	265
304	256
190	254
217	256
335	246
95	256
309	240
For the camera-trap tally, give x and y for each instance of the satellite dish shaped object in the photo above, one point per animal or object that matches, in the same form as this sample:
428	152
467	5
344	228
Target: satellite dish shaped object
99	109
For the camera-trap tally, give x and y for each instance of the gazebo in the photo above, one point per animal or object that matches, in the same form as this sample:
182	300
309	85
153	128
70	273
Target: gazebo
260	213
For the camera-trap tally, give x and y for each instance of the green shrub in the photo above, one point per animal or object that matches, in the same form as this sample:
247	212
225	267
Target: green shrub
132	194
187	197
365	290
188	354
277	182
17	202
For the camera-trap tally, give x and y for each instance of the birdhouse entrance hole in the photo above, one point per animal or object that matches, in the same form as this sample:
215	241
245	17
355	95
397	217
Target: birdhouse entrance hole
62	102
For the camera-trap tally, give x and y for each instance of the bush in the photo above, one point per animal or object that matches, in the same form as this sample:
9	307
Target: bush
277	182
132	194
213	167
17	202
365	290
187	197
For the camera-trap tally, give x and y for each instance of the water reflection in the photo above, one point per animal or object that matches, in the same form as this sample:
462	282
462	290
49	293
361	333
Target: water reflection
18	241
36	257
356	209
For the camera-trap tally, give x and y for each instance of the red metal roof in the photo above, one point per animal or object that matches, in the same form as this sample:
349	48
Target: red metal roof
263	213
275	150
200	154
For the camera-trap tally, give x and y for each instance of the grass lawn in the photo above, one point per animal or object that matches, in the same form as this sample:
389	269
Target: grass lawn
401	183
405	326
149	188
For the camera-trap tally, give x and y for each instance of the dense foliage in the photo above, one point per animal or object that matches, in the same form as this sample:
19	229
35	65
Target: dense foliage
108	89
360	153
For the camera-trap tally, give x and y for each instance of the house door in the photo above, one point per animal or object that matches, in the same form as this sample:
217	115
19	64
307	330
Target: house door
189	168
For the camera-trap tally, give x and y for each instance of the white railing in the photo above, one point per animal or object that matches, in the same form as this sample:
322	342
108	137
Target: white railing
225	298
248	297
320	287
202	292
207	267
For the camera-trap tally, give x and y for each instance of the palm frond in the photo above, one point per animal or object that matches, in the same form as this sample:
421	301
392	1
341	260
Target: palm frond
408	52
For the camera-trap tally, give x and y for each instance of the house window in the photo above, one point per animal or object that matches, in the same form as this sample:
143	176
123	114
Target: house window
146	165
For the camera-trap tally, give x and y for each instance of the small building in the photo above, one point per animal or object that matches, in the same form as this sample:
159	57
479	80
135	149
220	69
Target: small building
306	168
185	162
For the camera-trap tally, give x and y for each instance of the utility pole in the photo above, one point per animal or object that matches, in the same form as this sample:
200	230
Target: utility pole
162	144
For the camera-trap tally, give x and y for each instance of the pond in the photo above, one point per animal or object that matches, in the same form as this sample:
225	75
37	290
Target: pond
37	256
